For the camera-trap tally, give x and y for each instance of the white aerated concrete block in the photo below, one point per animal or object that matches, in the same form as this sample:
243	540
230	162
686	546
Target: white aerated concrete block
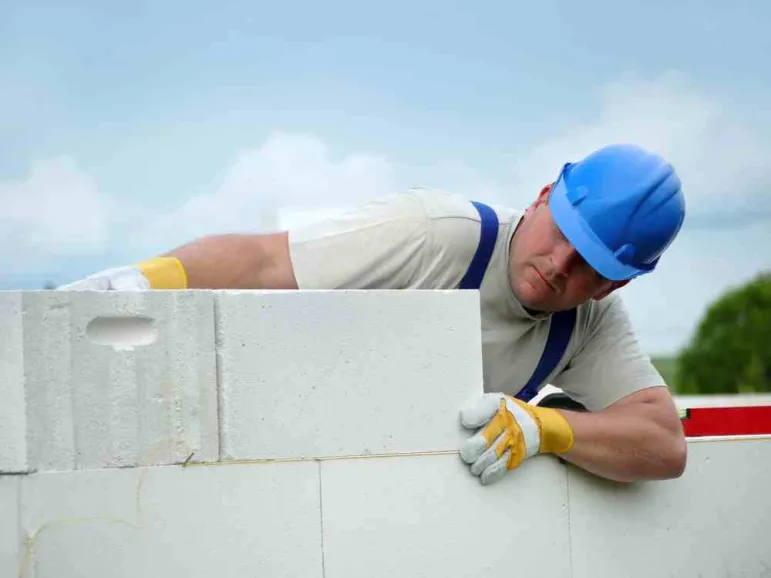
10	544
196	522
13	422
712	522
117	379
428	516
336	373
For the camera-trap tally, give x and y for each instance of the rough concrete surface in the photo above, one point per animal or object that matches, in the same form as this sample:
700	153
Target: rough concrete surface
94	382
196	521
10	541
711	523
320	373
428	517
13	422
118	379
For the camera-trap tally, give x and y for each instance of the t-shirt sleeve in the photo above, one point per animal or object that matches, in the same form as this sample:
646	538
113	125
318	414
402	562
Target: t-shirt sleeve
375	246
610	364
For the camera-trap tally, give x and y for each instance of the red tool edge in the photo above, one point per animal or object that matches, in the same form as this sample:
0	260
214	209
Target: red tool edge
726	421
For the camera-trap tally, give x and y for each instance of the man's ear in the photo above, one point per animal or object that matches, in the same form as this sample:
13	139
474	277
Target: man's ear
543	196
610	289
541	199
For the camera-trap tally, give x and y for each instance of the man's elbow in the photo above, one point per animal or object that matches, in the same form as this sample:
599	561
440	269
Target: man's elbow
676	457
673	448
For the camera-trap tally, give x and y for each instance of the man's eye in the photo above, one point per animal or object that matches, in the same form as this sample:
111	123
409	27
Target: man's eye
597	276
592	271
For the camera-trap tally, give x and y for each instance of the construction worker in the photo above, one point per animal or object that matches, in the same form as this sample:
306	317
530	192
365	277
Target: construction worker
547	278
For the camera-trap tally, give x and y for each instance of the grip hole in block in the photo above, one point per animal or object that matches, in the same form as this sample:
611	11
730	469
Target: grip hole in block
122	332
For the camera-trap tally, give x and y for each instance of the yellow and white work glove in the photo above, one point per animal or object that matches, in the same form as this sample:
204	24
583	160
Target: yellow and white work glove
510	431
155	273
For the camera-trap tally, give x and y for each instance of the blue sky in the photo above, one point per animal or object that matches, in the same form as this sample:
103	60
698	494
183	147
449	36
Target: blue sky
128	129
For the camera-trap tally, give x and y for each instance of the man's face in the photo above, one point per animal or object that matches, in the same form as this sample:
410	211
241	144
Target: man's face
546	272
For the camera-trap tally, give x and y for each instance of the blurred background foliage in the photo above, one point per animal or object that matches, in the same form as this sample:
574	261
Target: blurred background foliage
730	350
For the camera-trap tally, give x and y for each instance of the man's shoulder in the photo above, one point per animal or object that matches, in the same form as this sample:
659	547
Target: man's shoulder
452	218
454	223
416	204
443	204
422	203
412	238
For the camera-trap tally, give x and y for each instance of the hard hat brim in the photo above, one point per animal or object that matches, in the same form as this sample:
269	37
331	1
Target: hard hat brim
580	235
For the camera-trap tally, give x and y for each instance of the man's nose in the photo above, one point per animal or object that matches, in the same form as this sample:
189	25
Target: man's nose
565	256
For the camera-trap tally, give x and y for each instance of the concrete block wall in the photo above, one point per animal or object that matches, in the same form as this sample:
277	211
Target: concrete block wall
172	521
13	416
10	538
344	373
714	521
323	430
427	516
386	516
107	379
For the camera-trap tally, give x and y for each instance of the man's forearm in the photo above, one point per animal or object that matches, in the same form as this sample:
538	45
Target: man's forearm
237	262
640	441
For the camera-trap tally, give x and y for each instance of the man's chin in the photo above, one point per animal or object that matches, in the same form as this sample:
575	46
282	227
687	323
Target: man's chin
531	297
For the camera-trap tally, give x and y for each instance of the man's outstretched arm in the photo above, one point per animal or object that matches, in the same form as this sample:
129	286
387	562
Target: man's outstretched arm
233	261
237	262
640	437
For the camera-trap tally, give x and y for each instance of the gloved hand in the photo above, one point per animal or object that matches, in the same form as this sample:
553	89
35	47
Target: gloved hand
156	273
511	431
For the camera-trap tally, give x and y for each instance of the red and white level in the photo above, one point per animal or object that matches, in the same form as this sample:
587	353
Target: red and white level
726	421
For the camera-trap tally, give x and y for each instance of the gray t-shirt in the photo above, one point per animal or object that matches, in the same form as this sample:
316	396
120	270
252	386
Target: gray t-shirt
425	239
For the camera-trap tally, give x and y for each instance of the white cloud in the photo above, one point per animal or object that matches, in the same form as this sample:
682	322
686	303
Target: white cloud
718	155
56	210
284	180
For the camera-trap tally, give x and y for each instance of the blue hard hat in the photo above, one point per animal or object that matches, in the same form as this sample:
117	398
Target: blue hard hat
620	207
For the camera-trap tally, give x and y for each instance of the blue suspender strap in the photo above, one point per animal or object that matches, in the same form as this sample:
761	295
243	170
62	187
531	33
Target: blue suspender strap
476	271
560	330
561	324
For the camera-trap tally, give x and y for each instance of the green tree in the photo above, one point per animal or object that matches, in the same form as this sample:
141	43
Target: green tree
731	348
